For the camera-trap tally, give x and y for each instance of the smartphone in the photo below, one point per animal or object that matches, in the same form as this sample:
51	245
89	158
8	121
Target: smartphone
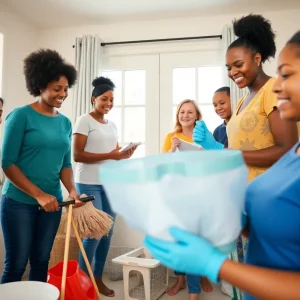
130	146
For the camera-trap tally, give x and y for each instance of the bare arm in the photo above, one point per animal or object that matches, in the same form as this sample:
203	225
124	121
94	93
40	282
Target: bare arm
66	177
285	135
262	283
79	142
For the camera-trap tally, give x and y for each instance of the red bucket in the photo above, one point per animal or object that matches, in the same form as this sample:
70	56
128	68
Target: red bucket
78	284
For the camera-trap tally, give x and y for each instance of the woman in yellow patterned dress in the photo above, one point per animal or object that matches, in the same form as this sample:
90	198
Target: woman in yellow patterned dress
255	127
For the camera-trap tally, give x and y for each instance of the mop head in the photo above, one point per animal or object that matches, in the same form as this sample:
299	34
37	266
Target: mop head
90	222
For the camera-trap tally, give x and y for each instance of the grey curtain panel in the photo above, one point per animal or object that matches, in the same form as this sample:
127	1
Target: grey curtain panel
87	63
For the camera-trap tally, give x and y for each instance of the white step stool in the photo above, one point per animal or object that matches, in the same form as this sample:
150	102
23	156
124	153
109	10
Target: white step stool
155	276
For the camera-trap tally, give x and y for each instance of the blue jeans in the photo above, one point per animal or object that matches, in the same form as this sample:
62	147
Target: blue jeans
28	235
96	250
193	282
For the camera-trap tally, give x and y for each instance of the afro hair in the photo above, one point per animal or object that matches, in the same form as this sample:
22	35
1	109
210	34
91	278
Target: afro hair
255	32
44	66
102	80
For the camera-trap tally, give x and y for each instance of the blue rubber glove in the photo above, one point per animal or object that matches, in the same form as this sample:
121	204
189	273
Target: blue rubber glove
190	254
203	137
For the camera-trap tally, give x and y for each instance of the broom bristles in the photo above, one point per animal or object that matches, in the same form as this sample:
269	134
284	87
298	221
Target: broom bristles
90	222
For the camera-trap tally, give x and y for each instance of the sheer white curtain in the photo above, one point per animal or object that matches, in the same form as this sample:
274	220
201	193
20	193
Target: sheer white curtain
87	63
235	93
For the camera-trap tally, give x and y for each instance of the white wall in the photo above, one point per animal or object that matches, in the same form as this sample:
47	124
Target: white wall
20	38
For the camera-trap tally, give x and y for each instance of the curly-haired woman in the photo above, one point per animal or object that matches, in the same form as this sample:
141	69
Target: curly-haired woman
36	157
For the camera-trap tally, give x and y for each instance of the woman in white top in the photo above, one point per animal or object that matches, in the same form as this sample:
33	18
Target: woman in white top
95	141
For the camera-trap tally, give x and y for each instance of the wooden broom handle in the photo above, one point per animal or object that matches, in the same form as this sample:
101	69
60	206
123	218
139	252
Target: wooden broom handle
66	254
85	259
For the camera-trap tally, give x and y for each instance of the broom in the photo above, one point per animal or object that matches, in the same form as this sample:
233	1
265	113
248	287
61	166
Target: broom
93	223
70	221
90	222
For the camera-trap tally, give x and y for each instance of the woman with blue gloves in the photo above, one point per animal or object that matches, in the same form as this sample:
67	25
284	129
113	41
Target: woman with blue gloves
272	266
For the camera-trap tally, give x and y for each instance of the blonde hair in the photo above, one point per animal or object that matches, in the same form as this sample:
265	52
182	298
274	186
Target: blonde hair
178	127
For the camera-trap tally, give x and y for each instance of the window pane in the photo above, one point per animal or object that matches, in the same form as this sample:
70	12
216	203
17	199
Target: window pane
135	87
184	84
211	119
134	124
209	80
115	115
116	78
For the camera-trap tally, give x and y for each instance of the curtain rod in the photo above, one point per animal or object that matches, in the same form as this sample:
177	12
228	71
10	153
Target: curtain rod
162	40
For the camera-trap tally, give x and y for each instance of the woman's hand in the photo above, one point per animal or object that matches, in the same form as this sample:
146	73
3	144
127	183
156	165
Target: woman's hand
48	202
75	196
189	254
131	151
203	137
118	155
175	143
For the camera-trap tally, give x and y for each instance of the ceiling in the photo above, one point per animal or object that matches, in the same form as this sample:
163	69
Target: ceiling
65	13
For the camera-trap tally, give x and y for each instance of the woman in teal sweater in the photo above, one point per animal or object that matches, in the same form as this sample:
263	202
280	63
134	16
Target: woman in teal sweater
36	156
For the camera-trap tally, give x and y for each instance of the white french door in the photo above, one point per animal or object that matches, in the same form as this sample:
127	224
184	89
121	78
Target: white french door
149	87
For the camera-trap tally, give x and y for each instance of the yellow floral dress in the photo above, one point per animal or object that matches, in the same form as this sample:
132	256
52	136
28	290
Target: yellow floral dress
249	130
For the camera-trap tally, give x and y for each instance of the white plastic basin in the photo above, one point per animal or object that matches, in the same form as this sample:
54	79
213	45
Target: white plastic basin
28	290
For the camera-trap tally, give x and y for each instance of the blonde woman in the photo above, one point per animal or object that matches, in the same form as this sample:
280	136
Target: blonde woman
187	114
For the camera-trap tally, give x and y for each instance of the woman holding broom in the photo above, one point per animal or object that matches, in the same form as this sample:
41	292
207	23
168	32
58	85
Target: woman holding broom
95	141
36	156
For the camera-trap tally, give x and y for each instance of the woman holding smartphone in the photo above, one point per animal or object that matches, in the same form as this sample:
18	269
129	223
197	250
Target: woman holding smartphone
95	141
